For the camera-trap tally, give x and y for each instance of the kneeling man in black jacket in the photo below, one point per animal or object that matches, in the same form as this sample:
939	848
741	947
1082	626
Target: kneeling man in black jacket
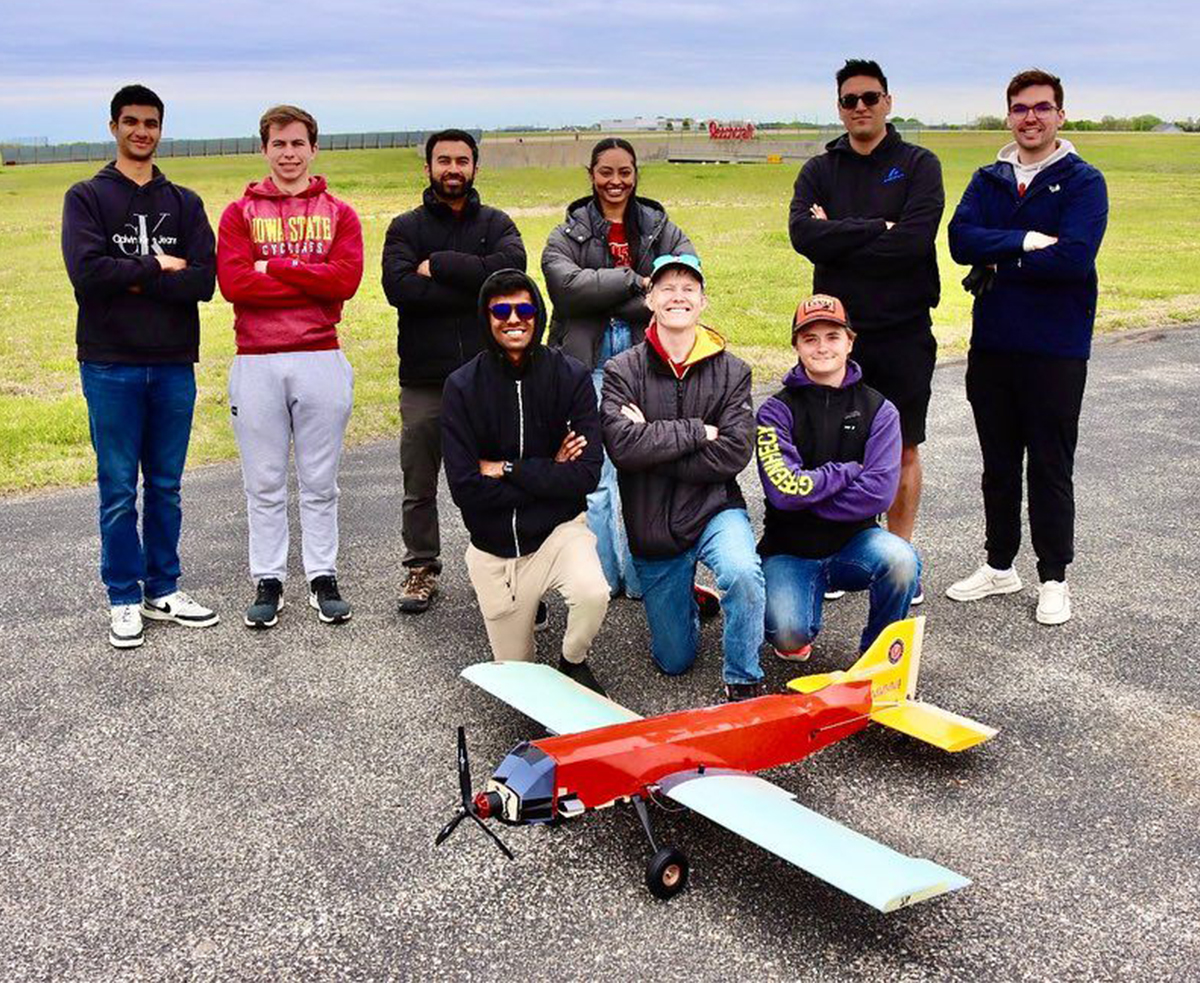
521	442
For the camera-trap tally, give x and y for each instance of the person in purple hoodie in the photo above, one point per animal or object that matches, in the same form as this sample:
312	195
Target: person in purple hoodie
828	452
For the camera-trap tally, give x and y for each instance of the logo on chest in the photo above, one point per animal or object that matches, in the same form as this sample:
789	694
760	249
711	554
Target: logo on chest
895	174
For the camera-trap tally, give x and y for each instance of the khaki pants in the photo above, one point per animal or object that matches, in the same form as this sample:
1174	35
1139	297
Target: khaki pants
509	591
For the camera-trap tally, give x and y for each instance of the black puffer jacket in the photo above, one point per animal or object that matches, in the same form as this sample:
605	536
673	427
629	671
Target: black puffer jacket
586	289
438	321
674	479
495	411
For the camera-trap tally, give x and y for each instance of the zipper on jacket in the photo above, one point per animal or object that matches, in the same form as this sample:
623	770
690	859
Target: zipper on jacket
678	398
520	454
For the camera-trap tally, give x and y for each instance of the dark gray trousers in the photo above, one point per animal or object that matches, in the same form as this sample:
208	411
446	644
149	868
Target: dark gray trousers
420	462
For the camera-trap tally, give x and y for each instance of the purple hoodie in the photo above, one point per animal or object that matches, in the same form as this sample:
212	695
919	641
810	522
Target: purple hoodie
839	491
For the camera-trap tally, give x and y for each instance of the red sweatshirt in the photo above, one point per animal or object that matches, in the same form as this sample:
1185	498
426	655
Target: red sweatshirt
313	246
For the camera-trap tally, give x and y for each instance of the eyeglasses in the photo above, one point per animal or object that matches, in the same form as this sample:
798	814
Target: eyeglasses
850	99
1043	110
502	312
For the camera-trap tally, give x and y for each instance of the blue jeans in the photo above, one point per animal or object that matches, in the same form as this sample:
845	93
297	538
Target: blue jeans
139	416
874	560
604	516
727	548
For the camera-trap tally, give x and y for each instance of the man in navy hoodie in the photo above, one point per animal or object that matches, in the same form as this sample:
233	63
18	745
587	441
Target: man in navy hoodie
140	254
1030	225
521	444
866	213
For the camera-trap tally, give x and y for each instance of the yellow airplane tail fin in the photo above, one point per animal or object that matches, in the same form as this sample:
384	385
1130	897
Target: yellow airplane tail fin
893	664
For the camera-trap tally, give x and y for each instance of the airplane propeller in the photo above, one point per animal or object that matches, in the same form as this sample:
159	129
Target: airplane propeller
468	804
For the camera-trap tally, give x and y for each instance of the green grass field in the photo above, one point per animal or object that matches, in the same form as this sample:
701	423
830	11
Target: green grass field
736	216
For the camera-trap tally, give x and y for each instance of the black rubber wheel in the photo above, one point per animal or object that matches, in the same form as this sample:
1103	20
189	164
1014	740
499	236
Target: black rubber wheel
667	873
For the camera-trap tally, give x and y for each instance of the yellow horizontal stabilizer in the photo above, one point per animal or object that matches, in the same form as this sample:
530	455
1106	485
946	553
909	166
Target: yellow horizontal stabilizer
935	726
810	684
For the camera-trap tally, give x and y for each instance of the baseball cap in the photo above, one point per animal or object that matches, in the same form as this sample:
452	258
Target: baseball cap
683	260
820	307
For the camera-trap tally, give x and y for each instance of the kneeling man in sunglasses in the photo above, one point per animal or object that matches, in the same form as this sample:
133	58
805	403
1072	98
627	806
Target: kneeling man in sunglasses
521	445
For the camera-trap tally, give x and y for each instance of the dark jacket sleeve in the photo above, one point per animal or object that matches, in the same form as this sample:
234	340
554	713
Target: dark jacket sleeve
543	477
972	243
1073	257
469	488
575	290
640	446
910	239
198	281
405	288
85	251
466	271
825	240
719	460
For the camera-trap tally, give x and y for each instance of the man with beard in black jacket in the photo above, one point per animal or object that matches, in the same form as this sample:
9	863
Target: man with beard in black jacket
435	259
140	254
521	438
866	213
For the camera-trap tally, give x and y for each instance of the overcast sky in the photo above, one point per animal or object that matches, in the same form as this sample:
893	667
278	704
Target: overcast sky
363	65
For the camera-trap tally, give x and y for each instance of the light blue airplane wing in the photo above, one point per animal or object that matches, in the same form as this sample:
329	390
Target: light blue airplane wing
555	701
769	816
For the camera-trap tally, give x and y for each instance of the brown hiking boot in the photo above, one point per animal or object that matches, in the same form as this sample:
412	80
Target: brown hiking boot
419	588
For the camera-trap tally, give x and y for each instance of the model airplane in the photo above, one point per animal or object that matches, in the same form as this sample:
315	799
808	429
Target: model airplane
704	758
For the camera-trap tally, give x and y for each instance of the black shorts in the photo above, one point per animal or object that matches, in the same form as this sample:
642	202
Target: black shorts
900	365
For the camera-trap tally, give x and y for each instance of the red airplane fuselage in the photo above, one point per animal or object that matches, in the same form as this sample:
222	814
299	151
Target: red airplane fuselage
609	763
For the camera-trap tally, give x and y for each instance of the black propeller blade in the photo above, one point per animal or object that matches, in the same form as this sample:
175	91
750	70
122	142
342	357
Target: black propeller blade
468	803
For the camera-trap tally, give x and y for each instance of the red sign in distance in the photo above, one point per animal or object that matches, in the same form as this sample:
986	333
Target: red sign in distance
730	131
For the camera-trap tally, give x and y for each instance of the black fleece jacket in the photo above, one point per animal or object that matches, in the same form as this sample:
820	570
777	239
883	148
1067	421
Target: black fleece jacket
887	278
437	317
495	411
130	310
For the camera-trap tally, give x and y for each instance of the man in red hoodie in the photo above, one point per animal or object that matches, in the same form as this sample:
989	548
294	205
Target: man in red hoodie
289	254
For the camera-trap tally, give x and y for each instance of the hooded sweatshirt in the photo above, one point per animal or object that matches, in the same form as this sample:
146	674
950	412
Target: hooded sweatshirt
887	278
312	243
130	310
494	410
829	460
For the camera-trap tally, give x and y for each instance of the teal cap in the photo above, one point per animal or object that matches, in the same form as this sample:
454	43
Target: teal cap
684	260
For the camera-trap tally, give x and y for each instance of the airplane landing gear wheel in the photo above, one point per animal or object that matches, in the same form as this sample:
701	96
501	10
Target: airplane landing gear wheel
666	873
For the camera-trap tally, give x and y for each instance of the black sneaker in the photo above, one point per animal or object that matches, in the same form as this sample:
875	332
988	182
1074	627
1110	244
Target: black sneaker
268	601
541	620
323	595
735	692
707	600
581	672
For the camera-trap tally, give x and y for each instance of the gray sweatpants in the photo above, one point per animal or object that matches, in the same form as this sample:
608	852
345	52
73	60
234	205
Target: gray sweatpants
277	400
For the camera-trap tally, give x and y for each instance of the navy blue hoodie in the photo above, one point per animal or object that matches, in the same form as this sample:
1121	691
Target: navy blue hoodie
1041	302
130	310
495	411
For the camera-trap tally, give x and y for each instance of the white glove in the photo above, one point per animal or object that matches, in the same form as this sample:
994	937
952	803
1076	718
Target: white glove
1037	240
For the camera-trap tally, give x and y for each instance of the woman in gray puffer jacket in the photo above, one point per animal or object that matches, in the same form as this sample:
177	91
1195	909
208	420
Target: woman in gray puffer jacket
597	265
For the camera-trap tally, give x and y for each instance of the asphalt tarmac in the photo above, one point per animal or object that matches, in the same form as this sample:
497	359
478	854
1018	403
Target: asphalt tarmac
226	804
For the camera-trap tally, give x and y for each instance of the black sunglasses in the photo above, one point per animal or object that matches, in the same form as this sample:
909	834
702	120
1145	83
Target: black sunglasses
502	312
850	99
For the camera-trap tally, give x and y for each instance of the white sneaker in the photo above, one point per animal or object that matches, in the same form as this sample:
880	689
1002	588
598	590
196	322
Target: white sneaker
179	608
125	628
833	595
984	582
1054	602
